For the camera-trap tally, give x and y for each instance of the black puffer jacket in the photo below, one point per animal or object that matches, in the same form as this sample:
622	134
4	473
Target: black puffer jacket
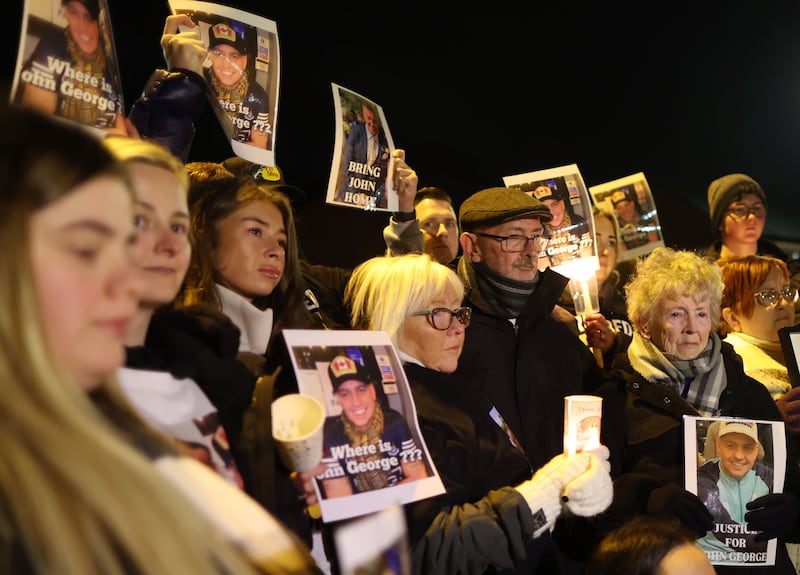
172	101
201	343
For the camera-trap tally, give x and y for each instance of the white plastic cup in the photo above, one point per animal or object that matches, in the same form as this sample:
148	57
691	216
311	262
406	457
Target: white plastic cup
297	424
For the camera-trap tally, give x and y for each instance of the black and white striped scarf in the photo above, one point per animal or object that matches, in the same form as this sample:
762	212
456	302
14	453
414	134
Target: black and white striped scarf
706	372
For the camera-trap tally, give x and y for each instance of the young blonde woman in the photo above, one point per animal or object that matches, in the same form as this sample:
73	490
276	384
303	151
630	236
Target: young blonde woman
86	486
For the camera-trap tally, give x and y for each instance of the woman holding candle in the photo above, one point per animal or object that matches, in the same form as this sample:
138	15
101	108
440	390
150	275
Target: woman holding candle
608	331
494	515
677	365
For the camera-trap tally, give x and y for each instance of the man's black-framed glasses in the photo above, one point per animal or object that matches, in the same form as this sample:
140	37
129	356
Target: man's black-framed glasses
741	211
442	317
515	243
771	296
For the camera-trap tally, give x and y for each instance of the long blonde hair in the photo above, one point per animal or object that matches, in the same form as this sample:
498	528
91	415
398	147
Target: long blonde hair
77	492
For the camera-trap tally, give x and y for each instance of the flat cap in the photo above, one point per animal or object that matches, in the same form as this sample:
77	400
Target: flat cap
494	206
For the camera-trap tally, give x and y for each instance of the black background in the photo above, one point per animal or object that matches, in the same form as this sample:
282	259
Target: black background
684	92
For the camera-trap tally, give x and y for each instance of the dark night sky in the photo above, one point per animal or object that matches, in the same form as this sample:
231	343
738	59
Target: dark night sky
684	92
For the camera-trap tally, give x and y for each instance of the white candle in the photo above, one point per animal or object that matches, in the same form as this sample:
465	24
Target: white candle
582	414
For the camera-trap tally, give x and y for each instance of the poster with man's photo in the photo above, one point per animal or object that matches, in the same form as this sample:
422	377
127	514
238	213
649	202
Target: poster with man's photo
242	73
631	202
571	250
373	452
67	65
362	166
729	463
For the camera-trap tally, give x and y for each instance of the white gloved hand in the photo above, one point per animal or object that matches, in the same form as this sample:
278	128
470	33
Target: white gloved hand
592	491
543	491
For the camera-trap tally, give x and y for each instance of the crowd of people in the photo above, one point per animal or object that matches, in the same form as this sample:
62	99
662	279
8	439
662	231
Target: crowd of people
143	345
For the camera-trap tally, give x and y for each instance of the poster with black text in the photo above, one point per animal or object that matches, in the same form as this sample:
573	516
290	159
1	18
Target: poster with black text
730	462
361	170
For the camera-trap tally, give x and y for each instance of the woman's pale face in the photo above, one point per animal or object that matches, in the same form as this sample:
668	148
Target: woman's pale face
743	231
84	29
680	327
161	217
766	321
250	255
86	283
606	239
434	348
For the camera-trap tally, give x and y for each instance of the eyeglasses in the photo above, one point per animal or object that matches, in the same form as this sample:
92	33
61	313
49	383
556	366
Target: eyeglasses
442	318
741	212
516	243
771	296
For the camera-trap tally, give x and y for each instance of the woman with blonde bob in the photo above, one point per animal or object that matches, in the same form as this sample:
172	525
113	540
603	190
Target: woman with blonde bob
86	486
677	365
494	515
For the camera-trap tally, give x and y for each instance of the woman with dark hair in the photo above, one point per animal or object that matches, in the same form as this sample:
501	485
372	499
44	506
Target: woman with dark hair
648	545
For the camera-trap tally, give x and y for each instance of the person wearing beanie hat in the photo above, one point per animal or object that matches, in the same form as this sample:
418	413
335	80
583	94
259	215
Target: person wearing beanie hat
737	207
727	483
367	446
244	106
84	86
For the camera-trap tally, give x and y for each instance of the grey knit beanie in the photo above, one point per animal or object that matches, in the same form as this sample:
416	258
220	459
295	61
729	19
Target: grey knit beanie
722	190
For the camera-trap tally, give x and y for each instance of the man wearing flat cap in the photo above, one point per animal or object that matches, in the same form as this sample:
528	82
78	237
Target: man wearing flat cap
727	483
524	359
367	446
244	105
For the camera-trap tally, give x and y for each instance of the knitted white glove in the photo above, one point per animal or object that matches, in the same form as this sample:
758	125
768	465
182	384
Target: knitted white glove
543	491
592	491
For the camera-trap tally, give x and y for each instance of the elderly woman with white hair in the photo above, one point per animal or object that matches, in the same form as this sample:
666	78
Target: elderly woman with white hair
677	365
495	514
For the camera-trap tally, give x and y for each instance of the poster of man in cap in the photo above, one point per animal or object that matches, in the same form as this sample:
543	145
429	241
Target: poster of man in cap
631	201
67	64
242	72
373	451
729	463
571	245
361	170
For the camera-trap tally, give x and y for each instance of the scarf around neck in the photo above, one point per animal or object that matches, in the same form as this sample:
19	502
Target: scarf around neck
705	373
255	324
505	296
375	478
